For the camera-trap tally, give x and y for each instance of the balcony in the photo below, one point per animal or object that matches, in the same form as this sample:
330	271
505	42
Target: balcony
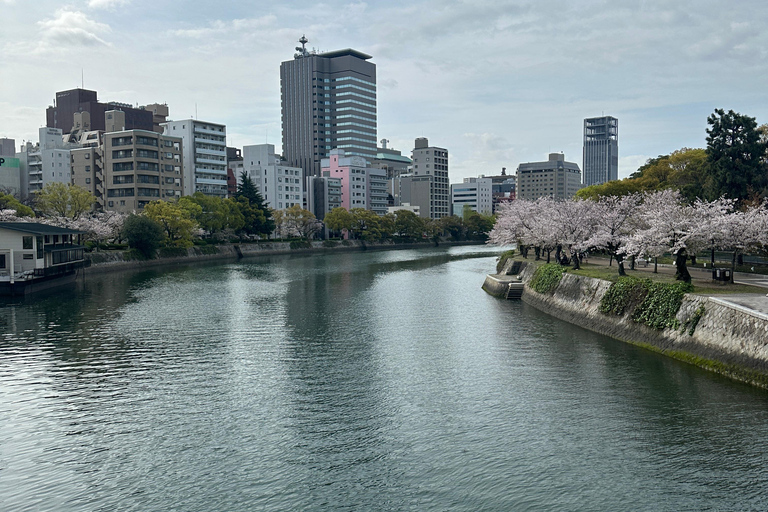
215	152
205	170
210	181
200	129
209	161
207	141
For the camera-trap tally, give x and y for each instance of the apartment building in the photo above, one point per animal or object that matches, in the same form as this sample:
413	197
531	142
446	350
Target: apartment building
204	154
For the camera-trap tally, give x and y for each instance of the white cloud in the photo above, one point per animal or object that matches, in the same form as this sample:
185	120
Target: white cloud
71	29
106	4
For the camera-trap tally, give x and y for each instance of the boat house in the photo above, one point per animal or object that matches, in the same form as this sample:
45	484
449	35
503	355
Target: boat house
36	256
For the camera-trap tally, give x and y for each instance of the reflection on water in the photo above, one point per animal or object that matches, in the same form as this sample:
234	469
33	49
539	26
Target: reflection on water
353	381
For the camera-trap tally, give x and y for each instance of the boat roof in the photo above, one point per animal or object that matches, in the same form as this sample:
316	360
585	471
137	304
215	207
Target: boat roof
38	229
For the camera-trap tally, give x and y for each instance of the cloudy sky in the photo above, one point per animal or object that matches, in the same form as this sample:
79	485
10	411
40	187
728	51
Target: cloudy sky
496	82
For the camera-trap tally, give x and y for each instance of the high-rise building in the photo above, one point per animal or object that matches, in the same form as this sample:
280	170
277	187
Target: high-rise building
67	103
361	185
428	179
328	101
553	178
205	155
601	150
130	168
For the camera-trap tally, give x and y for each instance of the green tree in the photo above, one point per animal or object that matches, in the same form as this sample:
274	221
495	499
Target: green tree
736	155
60	200
408	225
8	202
338	219
453	226
212	214
296	221
478	226
143	234
177	220
255	223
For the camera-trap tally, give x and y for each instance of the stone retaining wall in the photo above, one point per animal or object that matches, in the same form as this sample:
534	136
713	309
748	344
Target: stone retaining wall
728	339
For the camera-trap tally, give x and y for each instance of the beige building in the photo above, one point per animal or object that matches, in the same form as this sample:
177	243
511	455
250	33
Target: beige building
130	168
553	178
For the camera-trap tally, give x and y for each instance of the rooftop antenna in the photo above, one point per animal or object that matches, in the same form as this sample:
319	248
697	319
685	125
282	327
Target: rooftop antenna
384	143
302	50
82	78
196	112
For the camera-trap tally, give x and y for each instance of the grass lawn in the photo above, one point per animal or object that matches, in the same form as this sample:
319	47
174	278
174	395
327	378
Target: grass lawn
700	286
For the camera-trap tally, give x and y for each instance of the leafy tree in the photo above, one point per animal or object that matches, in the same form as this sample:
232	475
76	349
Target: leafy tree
211	215
736	154
478	225
60	200
177	220
143	234
8	202
453	225
296	221
408	226
338	219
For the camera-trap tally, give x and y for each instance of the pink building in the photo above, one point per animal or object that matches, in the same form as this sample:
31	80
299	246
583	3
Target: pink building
361	186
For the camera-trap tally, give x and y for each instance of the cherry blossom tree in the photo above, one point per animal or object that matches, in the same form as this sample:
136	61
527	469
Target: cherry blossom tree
614	219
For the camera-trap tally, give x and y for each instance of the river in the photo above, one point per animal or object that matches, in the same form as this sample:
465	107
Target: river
380	380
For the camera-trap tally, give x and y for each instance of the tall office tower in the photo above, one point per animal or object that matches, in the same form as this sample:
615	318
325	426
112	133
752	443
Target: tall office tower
601	150
328	102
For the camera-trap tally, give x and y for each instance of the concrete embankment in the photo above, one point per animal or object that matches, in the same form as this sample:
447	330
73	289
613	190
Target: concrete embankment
110	261
713	334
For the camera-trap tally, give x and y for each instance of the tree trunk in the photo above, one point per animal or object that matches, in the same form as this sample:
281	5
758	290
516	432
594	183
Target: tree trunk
713	257
740	259
733	265
575	260
610	261
682	274
655	265
537	250
558	253
549	251
632	262
620	263
693	259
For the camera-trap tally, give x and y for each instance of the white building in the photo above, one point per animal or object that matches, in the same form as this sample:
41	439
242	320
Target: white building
553	178
281	185
477	193
46	162
204	147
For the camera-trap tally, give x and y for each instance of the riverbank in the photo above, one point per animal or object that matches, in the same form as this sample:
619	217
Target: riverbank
711	332
108	261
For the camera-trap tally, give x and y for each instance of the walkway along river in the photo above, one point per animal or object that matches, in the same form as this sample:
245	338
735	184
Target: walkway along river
380	380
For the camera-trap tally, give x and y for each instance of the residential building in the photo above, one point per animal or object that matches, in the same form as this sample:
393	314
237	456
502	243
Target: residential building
205	155
47	161
475	193
280	184
67	103
553	178
601	150
234	169
426	186
361	186
130	168
323	194
328	101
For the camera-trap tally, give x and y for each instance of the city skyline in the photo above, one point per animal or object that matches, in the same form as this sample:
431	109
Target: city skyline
487	80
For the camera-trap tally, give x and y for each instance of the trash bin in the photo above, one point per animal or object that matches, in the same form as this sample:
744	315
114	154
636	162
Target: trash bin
721	274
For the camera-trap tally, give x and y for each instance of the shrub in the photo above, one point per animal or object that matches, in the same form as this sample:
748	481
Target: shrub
547	277
660	306
173	252
301	244
625	293
330	243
